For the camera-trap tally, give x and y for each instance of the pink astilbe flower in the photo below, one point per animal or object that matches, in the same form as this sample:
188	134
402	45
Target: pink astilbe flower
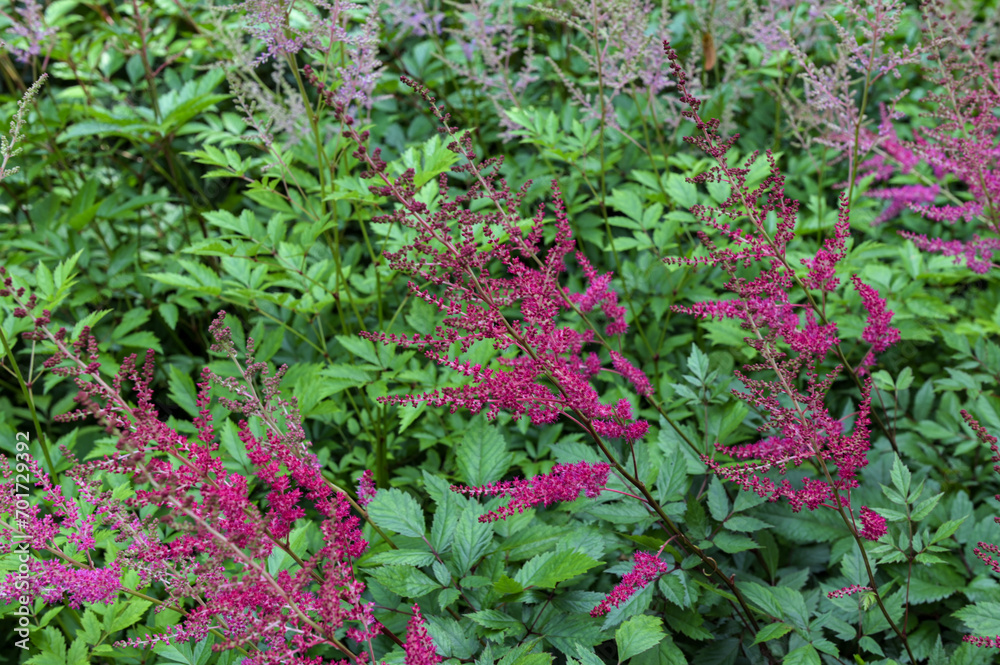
805	429
965	145
986	551
877	330
493	282
209	523
366	488
873	525
647	568
564	483
419	647
848	591
29	26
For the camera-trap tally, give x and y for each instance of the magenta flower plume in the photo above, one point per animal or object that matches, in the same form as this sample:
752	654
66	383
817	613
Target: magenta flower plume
964	147
988	553
419	646
873	525
211	543
366	488
491	279
848	591
565	483
647	568
792	339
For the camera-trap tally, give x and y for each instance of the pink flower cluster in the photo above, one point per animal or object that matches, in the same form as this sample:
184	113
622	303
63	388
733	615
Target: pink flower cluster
873	525
848	591
564	483
964	145
647	568
211	523
986	551
366	488
805	429
419	647
542	369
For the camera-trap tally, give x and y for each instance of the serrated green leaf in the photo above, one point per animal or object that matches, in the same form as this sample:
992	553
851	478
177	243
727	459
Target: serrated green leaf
506	585
731	542
947	529
900	476
133	611
772	631
983	618
396	510
404	581
638	634
496	620
804	655
546	570
746	524
924	508
718	502
482	454
472	539
418	558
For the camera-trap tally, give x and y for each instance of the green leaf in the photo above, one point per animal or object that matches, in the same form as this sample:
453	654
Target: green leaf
396	510
772	631
731	542
78	653
133	611
718	502
482	454
925	507
182	390
53	646
506	585
548	569
947	529
666	653
905	379
417	558
472	539
804	655
982	618
763	597
496	620
638	634
186	653
900	476
746	523
404	581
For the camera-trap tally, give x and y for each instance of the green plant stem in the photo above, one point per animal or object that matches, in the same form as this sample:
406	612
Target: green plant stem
31	406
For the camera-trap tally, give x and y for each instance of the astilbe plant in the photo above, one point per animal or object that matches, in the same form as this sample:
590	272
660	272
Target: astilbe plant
986	551
218	526
792	339
541	328
964	144
543	371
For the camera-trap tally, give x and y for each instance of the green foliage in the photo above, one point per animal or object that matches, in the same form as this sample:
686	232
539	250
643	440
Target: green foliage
149	198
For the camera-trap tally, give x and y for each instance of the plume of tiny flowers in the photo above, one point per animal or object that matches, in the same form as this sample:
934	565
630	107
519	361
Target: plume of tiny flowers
29	25
493	282
848	591
564	483
366	488
873	525
988	553
419	647
210	522
964	145
647	568
804	428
